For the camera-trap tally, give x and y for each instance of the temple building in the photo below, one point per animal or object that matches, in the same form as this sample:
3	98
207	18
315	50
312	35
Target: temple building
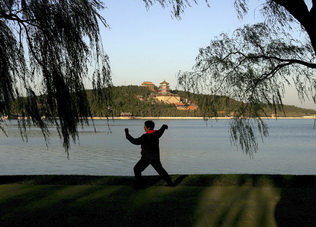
149	85
164	88
164	94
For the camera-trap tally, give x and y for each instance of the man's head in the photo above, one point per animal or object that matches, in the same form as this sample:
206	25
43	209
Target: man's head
149	125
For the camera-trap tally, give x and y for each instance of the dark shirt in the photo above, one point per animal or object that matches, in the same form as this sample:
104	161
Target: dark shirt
149	143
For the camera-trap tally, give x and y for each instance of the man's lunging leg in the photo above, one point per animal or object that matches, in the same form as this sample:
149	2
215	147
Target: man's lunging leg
140	166
162	172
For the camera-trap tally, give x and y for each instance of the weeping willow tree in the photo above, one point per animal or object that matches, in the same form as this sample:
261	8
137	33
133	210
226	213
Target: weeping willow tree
48	48
255	63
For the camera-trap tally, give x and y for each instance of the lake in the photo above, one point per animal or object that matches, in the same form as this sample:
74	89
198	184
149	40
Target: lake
187	147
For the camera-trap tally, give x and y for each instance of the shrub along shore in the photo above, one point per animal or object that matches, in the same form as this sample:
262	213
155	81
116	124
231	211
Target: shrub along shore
198	200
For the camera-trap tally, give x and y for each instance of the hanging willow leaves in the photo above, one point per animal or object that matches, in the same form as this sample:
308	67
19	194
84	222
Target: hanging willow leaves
48	48
254	64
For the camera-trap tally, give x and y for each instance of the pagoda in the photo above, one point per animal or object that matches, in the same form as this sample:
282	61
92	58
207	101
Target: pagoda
164	88
164	94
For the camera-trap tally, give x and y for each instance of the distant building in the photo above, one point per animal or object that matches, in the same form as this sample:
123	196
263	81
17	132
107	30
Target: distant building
182	106
164	94
169	99
126	114
149	85
221	113
192	107
164	88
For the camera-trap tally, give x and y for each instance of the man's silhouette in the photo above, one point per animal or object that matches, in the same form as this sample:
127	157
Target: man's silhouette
150	152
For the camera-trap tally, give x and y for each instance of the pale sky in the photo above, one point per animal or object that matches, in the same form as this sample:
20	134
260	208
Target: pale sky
149	45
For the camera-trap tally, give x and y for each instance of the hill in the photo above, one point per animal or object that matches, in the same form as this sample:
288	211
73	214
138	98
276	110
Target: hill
140	101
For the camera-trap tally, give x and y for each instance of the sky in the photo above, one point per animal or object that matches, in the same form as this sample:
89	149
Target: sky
150	45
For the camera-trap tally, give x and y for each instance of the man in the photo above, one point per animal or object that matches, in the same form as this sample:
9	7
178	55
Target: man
150	152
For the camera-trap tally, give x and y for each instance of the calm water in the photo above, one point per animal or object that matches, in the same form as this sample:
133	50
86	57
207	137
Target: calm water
188	147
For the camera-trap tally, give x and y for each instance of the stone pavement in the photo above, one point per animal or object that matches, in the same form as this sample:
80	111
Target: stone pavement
237	206
207	206
198	200
213	206
237	200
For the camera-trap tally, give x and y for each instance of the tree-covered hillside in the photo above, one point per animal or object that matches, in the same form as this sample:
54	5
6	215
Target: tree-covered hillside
140	102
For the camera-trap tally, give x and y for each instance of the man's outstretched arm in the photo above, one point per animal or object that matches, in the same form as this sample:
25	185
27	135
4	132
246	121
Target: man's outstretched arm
161	130
132	139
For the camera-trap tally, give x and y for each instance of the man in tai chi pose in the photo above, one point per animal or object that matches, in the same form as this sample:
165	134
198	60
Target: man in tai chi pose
150	152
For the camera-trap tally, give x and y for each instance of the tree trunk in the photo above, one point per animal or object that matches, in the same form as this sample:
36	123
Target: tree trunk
307	18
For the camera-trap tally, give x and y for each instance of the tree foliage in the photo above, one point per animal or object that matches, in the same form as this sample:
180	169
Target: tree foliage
141	102
256	62
48	48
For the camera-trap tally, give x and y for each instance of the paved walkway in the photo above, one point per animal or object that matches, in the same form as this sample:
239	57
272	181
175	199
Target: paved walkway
237	206
200	201
207	206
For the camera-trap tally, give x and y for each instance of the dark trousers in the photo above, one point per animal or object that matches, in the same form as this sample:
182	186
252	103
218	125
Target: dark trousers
142	164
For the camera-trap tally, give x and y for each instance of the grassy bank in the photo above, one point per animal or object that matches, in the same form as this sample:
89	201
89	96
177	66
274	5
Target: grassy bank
198	200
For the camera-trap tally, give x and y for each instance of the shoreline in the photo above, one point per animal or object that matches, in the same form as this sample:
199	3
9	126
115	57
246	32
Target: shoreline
201	180
194	118
182	118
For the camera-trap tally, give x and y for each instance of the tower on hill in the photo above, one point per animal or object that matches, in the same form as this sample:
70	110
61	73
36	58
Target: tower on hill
164	88
165	95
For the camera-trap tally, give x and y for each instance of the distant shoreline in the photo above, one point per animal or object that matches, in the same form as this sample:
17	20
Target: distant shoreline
193	118
184	118
219	180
